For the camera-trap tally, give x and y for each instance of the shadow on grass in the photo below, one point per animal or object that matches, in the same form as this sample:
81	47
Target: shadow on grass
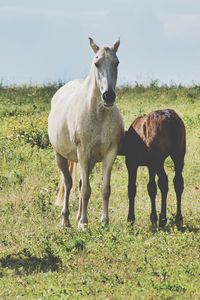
190	228
28	264
172	227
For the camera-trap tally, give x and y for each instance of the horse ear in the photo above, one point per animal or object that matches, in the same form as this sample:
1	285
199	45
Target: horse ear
116	45
94	47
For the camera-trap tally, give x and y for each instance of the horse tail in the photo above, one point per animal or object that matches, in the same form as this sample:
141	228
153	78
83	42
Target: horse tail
72	167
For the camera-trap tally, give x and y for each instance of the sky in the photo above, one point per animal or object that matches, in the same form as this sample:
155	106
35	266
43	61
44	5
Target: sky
44	41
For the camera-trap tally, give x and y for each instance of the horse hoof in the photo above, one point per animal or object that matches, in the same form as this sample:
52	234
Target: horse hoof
162	222
104	221
179	221
131	221
65	223
82	226
154	223
154	220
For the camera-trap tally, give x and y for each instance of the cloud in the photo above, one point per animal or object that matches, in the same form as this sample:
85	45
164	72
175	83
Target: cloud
96	13
17	11
181	25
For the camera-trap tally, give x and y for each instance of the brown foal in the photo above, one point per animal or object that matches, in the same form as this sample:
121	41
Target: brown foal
148	142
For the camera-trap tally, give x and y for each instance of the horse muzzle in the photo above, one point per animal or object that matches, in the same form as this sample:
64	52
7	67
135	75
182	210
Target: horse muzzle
108	98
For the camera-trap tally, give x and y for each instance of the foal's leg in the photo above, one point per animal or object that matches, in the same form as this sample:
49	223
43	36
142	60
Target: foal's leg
178	185
105	188
163	186
152	190
63	165
132	174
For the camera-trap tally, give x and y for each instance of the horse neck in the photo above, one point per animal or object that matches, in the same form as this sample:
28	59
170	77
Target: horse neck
93	91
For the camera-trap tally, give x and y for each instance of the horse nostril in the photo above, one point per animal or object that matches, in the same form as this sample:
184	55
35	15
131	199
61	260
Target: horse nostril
105	96
109	96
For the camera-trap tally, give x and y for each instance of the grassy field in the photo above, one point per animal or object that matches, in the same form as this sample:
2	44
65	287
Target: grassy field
40	260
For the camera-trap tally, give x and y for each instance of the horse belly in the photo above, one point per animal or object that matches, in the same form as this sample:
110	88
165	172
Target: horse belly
60	139
64	147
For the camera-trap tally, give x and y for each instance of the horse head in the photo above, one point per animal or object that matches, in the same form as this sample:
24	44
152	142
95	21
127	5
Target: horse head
106	64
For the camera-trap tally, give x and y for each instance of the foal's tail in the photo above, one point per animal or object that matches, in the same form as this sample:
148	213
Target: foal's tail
72	166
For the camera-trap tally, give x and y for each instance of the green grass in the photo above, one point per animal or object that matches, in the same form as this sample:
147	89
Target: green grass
40	260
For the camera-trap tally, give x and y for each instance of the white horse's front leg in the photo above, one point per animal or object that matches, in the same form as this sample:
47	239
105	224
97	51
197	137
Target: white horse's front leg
85	170
105	189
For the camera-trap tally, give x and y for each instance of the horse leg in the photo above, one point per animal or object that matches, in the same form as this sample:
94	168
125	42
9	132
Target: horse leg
80	202
63	166
105	188
132	174
163	186
152	191
178	186
85	169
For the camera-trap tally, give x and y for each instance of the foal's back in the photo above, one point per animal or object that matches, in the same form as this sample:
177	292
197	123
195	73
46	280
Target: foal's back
156	135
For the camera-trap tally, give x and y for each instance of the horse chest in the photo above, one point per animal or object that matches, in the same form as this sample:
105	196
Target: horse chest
95	135
95	138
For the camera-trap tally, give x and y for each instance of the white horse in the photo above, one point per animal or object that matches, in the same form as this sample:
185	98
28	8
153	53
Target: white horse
85	126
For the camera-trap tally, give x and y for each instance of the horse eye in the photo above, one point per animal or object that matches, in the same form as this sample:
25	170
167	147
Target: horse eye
96	64
117	63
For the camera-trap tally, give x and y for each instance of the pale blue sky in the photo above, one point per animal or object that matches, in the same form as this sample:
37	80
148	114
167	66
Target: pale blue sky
47	40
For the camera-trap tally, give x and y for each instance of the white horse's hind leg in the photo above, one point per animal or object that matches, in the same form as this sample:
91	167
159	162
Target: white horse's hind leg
80	203
105	189
61	193
63	165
